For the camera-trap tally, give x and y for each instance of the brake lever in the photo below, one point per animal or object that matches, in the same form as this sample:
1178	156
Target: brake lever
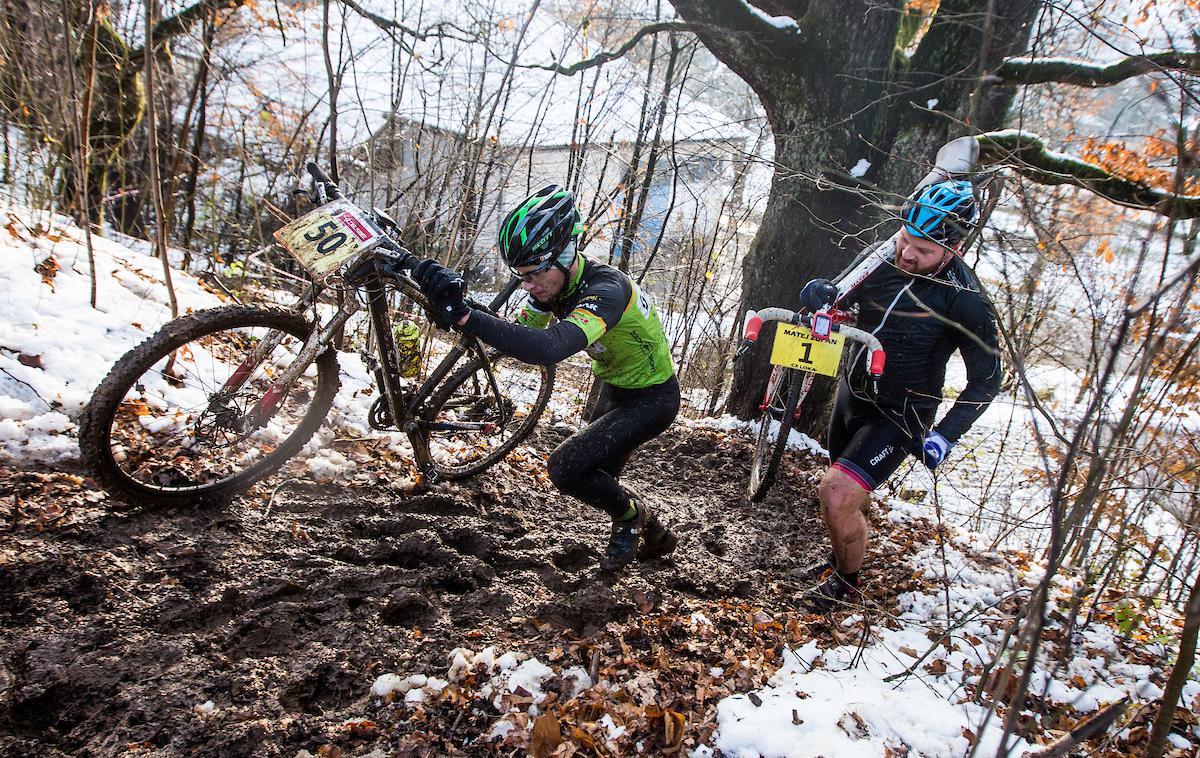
742	349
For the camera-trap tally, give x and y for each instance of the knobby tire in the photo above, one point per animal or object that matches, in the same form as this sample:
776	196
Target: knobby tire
767	456
197	332
470	394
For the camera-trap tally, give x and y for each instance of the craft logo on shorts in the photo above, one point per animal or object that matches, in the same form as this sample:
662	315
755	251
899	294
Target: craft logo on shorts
882	454
351	222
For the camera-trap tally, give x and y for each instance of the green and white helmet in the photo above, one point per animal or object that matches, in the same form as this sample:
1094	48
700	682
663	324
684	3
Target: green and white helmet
540	229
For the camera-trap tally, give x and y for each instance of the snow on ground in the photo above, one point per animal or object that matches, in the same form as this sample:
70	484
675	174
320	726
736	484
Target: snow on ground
902	686
54	347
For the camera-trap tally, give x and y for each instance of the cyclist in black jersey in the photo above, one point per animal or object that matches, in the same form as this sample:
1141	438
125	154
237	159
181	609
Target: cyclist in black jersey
598	309
922	307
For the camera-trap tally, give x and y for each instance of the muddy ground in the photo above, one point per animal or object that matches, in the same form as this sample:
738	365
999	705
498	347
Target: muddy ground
284	606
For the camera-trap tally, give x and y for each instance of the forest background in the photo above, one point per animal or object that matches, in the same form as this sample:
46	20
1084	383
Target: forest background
724	153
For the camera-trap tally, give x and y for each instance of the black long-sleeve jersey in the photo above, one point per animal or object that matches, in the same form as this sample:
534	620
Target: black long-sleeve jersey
921	321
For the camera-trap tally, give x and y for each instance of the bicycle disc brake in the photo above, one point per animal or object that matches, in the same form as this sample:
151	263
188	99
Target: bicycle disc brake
380	415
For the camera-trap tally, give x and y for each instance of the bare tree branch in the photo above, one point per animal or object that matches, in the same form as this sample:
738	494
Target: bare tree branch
1089	728
181	22
1027	154
1016	71
386	24
599	59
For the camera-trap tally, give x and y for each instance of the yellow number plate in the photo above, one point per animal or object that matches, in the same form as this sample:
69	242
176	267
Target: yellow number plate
329	237
795	347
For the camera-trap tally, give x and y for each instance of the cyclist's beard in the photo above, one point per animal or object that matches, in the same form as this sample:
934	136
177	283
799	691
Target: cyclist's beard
911	269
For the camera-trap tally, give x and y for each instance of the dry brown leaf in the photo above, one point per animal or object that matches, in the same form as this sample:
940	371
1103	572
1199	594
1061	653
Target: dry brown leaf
853	725
673	728
546	736
937	667
362	729
910	652
47	269
582	738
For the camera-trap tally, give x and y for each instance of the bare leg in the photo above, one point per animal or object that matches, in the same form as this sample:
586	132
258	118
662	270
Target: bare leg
844	507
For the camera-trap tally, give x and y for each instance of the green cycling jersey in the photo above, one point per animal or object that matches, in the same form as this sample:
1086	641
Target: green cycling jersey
624	335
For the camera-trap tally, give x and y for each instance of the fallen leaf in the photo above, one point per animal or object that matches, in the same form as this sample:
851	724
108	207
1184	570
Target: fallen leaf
937	667
47	269
361	729
546	736
673	723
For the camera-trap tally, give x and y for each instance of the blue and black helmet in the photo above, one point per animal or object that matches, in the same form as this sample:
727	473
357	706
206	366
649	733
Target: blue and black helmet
538	231
944	212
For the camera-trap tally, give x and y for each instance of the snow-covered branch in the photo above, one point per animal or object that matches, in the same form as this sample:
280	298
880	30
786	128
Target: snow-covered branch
599	59
1085	74
1028	155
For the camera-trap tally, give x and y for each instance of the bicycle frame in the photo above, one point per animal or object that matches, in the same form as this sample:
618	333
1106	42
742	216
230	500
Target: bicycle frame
403	406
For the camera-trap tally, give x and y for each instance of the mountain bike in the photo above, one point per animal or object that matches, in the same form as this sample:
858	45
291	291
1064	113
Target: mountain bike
220	398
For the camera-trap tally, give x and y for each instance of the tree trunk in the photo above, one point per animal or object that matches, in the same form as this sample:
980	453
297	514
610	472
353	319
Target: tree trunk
836	91
1179	675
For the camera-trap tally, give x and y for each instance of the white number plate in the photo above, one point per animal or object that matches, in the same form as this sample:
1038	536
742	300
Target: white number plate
330	237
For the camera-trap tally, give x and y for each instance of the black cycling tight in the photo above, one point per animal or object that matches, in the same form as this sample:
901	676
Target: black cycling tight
586	465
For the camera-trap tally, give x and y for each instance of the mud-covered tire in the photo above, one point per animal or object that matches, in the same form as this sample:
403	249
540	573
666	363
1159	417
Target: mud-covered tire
768	454
457	385
96	422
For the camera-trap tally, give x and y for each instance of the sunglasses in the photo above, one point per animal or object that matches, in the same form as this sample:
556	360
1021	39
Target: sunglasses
529	276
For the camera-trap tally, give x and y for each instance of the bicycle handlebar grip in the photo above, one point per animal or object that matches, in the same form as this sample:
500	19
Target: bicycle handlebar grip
878	358
753	326
321	178
318	173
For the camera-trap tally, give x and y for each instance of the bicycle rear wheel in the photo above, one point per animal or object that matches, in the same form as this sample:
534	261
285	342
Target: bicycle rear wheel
172	424
482	411
786	389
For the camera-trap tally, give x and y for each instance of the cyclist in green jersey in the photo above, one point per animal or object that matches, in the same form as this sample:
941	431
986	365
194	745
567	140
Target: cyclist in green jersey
595	308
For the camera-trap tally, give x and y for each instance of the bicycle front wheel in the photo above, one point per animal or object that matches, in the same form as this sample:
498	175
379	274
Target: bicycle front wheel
785	392
482	411
192	416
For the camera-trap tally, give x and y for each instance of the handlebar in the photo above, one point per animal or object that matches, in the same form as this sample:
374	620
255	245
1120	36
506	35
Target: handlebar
324	189
390	258
876	358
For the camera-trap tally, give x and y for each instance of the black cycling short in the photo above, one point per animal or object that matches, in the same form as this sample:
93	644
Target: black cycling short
586	465
868	442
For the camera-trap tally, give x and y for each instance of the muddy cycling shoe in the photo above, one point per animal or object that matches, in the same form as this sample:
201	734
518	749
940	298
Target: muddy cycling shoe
811	572
835	591
658	542
623	541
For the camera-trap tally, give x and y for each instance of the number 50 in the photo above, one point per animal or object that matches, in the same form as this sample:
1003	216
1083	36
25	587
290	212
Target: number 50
326	244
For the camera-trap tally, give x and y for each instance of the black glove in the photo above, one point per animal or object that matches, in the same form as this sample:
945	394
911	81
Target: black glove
444	289
817	294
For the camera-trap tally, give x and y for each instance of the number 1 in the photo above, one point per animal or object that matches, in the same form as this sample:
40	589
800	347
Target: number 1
807	357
